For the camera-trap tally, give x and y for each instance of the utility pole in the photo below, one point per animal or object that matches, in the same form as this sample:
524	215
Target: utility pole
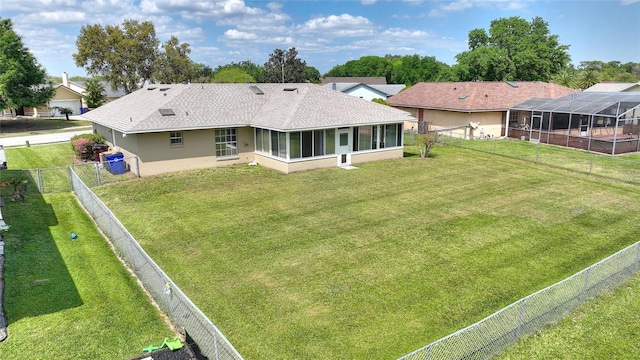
282	63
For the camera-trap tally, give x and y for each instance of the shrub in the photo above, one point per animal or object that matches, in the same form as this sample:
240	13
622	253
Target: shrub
82	145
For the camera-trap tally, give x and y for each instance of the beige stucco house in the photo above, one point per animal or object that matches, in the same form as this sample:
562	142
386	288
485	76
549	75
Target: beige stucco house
287	127
614	87
68	94
470	109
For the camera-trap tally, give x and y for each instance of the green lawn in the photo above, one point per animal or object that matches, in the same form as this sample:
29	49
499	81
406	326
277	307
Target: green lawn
623	167
40	156
32	126
64	298
374	262
605	328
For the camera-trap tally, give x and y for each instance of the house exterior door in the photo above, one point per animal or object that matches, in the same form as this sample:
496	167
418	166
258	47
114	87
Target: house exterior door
343	146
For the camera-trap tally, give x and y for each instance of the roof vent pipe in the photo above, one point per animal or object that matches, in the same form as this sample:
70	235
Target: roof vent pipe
334	87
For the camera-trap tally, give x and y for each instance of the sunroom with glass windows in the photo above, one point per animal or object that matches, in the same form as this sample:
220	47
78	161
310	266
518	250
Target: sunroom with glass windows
346	144
601	122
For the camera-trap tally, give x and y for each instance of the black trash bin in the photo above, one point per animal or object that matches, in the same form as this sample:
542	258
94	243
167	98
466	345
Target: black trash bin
115	163
99	149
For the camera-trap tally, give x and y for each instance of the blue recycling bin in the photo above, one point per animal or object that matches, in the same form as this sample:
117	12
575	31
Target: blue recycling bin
115	163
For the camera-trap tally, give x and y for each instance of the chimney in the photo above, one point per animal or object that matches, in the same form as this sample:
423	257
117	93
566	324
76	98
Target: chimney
333	86
65	79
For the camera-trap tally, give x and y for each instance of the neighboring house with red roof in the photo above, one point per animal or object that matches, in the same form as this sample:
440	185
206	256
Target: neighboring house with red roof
287	127
471	109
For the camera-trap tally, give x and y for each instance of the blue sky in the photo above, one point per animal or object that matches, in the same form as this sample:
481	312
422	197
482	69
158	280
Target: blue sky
325	33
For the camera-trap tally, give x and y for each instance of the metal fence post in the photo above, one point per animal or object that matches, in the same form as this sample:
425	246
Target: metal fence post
39	180
97	169
520	317
586	285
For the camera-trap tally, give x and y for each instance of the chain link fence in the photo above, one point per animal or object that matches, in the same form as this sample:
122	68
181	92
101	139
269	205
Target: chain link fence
58	179
613	167
184	314
499	331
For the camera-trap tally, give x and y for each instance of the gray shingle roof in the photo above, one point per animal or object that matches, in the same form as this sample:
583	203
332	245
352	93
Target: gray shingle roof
205	106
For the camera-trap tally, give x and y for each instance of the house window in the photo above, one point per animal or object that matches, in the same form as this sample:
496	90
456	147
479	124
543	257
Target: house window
307	144
226	143
390	133
330	141
294	145
175	138
365	139
278	144
318	143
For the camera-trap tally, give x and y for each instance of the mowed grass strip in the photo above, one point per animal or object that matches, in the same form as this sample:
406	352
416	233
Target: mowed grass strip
374	262
40	156
607	327
64	298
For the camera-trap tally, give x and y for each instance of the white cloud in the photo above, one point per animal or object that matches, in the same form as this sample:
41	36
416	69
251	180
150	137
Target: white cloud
368	2
333	22
234	34
54	17
444	8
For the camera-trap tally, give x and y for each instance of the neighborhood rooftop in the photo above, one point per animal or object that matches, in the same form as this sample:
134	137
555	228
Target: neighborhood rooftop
605	103
475	96
274	106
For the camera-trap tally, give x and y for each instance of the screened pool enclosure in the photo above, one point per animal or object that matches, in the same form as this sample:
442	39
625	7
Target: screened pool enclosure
594	121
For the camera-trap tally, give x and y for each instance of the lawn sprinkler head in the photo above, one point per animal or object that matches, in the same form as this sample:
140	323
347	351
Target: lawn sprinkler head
73	236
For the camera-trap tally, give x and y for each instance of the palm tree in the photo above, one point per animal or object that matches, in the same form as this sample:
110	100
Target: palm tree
588	78
566	78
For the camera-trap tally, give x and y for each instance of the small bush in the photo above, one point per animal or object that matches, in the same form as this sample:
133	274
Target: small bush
82	145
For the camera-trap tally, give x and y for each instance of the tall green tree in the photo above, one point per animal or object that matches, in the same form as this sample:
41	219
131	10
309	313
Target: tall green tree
588	78
566	77
232	75
412	69
366	66
284	66
173	64
203	73
513	49
23	81
124	55
254	70
311	74
95	93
